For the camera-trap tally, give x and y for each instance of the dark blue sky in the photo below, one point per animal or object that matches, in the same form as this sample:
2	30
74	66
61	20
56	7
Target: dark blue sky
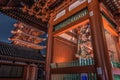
6	25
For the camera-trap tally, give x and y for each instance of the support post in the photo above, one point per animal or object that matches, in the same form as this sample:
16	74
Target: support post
49	49
33	72
101	56
27	72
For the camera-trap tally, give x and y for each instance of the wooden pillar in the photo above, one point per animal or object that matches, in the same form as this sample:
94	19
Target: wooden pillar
33	72
26	72
49	49
118	27
101	56
118	41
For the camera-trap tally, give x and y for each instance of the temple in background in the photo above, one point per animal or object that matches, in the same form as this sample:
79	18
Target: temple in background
27	36
20	63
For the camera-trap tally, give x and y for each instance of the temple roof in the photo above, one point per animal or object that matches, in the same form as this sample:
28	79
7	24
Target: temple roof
17	53
27	36
15	9
24	17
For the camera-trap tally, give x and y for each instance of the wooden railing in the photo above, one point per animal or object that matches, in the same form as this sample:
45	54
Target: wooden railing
116	70
82	69
81	76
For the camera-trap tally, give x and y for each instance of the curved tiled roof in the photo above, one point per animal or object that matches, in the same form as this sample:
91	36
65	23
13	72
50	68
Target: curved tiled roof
19	53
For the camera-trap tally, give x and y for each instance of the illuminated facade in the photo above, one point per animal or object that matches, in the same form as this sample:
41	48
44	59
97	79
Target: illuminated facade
83	42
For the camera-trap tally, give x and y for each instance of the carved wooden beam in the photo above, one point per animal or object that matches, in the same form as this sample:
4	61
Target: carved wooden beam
28	38
27	44
28	29
113	6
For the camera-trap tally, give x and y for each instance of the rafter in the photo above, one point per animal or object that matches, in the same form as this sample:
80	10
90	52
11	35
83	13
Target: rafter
28	29
26	44
27	37
17	14
113	6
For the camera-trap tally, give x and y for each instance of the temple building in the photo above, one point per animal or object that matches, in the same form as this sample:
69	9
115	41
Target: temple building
83	40
19	63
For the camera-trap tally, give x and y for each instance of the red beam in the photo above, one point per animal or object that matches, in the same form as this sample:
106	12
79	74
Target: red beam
71	70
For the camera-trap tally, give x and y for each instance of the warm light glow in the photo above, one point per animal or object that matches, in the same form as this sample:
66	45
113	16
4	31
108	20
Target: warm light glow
15	25
12	32
71	28
19	31
109	27
60	60
22	26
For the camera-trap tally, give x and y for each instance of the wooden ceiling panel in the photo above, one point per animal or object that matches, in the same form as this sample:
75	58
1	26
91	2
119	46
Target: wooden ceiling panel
13	8
19	15
113	5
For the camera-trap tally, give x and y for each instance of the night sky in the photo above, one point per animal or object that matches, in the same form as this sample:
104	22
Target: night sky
6	25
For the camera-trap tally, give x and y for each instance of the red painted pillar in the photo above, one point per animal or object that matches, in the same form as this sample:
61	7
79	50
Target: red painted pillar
101	56
49	49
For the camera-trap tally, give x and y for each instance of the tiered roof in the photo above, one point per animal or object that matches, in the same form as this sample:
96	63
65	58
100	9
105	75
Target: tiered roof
27	36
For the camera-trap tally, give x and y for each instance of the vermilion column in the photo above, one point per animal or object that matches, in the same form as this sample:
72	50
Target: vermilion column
33	72
102	61
27	72
49	49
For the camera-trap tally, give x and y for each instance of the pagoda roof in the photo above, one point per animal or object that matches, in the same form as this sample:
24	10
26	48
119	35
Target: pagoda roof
26	37
27	44
27	29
